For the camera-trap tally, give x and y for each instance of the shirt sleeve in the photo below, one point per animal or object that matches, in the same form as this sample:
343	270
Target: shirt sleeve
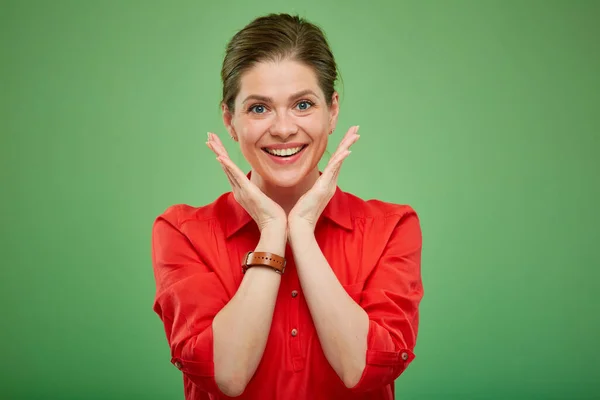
391	298
188	296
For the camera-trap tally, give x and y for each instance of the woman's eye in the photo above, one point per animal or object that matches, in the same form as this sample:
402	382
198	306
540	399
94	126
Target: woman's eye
258	109
304	105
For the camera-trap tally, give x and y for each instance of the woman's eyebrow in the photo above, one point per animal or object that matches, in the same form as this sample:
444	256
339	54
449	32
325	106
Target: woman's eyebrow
302	93
270	100
258	97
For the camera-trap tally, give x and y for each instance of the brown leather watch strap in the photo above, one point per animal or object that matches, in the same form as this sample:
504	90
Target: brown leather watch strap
263	259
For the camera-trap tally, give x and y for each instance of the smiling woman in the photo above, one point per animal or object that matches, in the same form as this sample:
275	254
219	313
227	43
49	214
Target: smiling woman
282	97
287	287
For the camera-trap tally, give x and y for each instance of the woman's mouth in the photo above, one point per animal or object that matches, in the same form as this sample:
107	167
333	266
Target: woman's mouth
285	156
284	153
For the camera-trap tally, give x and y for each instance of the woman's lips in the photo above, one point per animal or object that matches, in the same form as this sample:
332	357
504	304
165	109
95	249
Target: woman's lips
284	160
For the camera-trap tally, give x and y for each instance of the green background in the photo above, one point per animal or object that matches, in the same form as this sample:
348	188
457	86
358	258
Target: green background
483	115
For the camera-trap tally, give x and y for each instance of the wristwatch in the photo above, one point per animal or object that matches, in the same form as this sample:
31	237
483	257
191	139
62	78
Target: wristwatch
263	259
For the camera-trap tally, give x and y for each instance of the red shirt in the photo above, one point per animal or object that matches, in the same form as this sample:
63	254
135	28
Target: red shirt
374	249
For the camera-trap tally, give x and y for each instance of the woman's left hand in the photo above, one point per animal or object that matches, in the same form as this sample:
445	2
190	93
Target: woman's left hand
309	207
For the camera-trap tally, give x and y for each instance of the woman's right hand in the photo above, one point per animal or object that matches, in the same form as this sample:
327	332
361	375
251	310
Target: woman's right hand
266	213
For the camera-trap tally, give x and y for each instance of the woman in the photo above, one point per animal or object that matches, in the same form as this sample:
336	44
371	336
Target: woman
287	287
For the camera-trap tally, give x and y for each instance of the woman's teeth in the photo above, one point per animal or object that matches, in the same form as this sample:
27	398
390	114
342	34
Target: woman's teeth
284	152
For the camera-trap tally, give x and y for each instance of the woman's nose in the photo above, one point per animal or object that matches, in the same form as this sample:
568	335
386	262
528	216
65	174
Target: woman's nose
283	126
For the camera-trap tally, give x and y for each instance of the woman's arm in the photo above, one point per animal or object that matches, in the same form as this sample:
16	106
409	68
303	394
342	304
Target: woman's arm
215	340
369	348
241	328
341	324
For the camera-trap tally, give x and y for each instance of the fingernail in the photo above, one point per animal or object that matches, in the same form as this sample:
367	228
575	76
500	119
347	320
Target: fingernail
357	128
208	135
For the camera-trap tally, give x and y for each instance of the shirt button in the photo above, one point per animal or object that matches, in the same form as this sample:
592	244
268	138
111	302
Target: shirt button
404	356
178	364
294	332
294	293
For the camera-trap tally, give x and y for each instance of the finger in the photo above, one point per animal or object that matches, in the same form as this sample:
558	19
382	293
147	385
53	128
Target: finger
349	139
217	145
335	165
217	140
337	158
212	148
236	173
219	151
230	176
352	132
338	166
210	143
229	167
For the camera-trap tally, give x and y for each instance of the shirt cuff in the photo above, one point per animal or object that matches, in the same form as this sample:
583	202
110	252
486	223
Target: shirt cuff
195	360
382	367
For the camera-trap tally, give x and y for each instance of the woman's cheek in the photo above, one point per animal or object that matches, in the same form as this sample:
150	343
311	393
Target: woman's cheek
254	128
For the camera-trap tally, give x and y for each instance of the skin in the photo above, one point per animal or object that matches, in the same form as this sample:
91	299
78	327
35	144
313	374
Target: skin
280	103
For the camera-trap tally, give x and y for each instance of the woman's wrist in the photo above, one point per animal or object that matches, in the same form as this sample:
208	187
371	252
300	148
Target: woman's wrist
273	239
299	233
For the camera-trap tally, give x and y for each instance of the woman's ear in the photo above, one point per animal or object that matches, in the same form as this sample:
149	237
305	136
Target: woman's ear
334	111
228	121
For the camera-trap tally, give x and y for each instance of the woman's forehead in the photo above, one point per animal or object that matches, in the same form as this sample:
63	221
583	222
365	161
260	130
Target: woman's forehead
278	80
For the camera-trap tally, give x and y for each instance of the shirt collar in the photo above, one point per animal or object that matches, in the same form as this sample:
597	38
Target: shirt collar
336	211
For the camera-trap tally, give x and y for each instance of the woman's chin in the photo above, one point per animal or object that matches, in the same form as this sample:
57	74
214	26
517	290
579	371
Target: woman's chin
286	179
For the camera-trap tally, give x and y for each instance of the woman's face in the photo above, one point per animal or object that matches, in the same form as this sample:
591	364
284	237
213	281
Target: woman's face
281	121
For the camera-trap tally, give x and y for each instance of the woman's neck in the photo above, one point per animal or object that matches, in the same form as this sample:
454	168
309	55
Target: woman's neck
286	197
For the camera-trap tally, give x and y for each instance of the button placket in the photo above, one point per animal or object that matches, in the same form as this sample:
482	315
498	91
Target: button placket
295	338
